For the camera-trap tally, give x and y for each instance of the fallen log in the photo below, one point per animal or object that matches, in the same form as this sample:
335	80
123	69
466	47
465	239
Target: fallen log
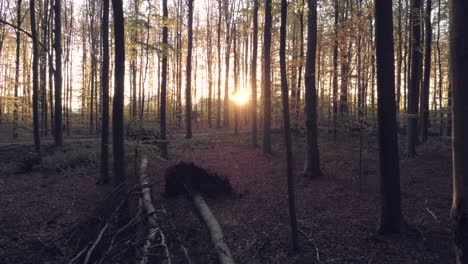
217	237
154	228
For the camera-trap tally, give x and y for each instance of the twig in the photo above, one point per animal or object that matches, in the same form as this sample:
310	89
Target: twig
430	212
78	255
186	253
317	255
90	251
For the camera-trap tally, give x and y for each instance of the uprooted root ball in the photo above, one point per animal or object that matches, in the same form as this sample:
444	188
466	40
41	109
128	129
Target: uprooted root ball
187	177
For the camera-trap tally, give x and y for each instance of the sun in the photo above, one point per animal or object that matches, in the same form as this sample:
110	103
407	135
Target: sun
240	97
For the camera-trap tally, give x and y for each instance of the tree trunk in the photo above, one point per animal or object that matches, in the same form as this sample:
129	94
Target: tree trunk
335	71
267	79
35	66
105	94
389	169
253	72
58	137
118	100
162	124
427	72
188	87
415	79
17	66
286	123
459	80
312	158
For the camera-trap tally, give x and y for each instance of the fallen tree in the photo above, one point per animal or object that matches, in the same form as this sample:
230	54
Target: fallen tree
217	237
154	230
192	180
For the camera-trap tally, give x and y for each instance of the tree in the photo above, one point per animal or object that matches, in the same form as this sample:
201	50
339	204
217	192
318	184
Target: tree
389	169
32	13
218	104
162	124
267	79
459	80
335	70
17	67
253	71
58	136
427	73
105	94
312	159
415	79
287	125
188	88
119	88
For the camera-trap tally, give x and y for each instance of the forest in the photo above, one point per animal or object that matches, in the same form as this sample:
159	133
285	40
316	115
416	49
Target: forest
233	131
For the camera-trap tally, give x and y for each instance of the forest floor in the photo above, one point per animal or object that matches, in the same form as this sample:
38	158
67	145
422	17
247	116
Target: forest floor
336	212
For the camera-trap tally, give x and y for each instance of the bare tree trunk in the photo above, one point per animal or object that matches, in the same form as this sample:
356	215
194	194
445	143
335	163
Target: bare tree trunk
458	20
267	79
105	94
427	72
413	91
253	72
218	104
118	102
335	70
162	124
286	121
17	66
389	169
32	13
312	157
188	87
58	137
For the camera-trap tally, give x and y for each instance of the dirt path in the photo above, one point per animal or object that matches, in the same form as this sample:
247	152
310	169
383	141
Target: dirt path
332	211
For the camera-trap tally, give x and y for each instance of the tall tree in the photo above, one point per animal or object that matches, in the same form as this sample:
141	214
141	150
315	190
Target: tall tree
188	87
459	80
253	72
415	79
32	13
312	159
287	125
17	67
119	89
427	73
335	69
162	124
58	135
267	79
218	104
105	93
389	169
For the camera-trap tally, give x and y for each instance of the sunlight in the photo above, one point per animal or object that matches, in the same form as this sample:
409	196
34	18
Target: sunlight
240	97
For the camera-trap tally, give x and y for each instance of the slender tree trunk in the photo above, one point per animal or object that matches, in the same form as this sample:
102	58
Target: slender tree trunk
267	79
35	66
218	104
458	20
335	70
17	67
118	100
413	91
286	123
164	153
389	169
58	137
105	94
188	87
427	72
312	158
253	72
399	59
